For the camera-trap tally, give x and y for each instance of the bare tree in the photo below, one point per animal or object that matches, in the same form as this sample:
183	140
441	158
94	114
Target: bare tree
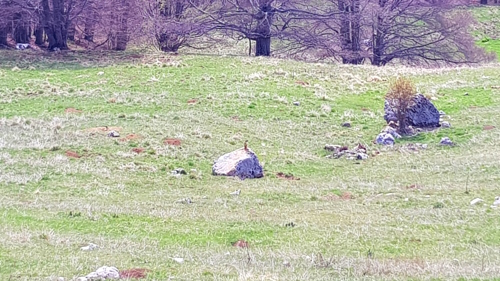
382	31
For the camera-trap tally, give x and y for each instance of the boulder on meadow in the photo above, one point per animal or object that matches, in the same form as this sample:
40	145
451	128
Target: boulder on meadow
385	139
422	114
242	163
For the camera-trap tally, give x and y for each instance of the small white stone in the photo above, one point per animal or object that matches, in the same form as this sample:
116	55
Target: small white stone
60	278
476	201
296	103
81	279
446	124
497	201
100	73
179	260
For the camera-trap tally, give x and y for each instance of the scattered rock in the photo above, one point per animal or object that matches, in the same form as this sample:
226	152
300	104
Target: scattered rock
446	124
346	125
488	127
476	201
296	103
113	134
391	130
60	279
446	141
100	73
112	100
138	150
441	113
385	139
290	224
326	108
497	201
303	83
362	156
102	273
174	142
282	175
179	260
185	201
72	110
235	193
421	114
242	163
179	171
466	94
134	273
240	244
358	153
332	147
89	247
72	154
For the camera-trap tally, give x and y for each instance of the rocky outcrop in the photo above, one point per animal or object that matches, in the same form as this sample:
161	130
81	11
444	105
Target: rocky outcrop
242	163
422	114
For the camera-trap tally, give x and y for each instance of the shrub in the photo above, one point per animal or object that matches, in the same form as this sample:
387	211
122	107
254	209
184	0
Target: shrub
401	96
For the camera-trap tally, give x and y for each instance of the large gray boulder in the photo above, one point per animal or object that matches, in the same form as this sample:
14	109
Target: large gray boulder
422	114
242	163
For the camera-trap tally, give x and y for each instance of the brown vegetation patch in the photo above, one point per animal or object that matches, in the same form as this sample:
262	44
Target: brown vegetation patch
130	137
413	186
112	100
72	110
72	154
138	150
488	127
282	175
346	196
495	87
303	83
174	142
241	244
192	101
134	273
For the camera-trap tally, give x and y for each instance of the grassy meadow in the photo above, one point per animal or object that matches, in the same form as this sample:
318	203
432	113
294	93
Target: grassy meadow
403	214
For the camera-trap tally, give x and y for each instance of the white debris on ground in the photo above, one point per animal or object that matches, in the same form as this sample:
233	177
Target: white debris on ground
89	247
102	273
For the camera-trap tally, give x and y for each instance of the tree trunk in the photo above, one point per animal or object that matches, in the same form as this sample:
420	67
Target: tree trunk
263	30
90	22
350	31
54	25
21	30
39	40
3	35
263	46
72	31
378	38
122	34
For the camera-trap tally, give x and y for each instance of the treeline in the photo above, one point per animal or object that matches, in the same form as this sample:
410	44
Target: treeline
352	31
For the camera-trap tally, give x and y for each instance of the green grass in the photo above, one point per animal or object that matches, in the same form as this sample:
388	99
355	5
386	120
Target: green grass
400	215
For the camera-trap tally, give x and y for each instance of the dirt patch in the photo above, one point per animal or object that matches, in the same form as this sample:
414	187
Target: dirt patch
174	142
488	127
72	110
104	130
413	186
282	175
241	244
130	137
138	150
192	101
72	154
112	100
346	196
303	83
134	273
